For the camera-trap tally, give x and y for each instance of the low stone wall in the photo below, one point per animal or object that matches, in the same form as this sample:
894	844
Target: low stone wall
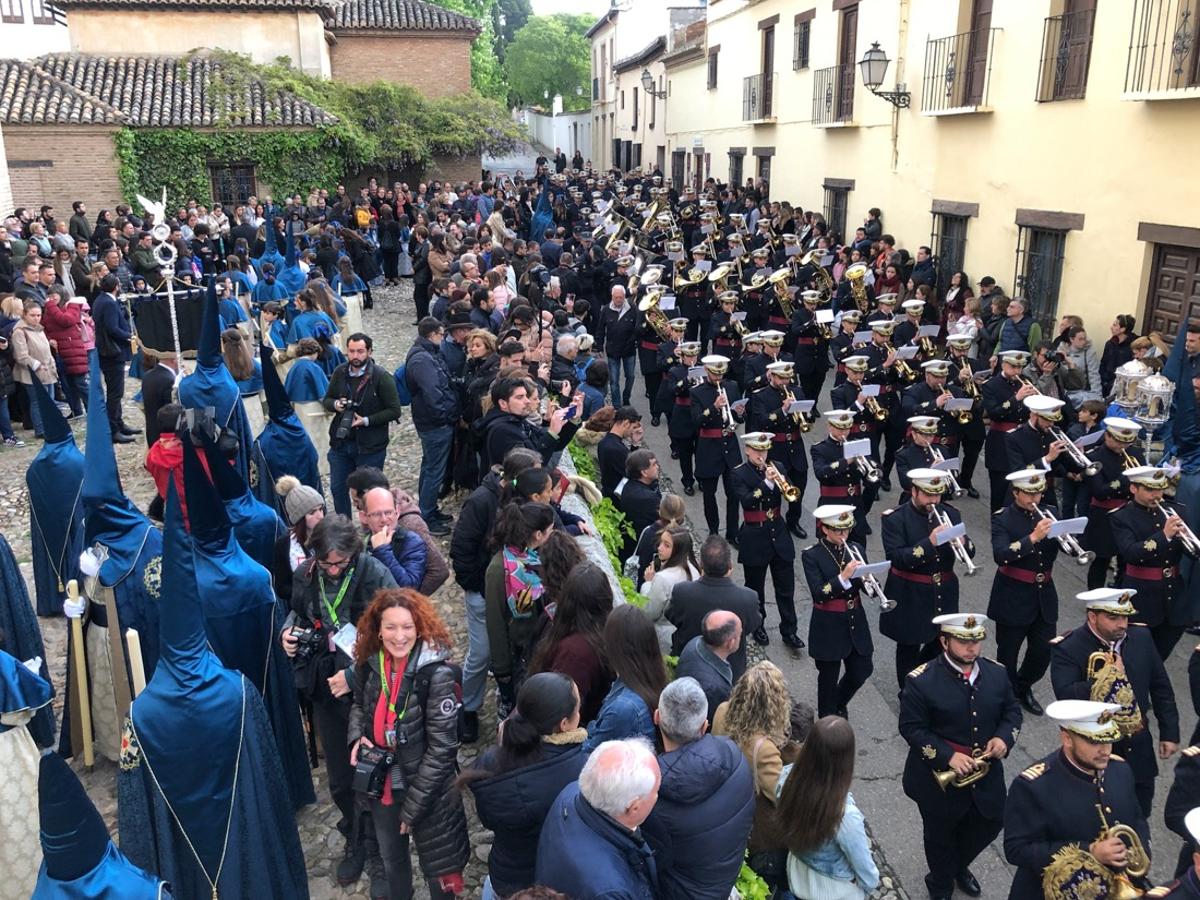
591	545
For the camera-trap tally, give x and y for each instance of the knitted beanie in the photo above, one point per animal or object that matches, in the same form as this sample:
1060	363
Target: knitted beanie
298	499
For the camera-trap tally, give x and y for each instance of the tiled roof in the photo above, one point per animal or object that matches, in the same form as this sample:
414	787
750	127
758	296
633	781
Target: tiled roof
325	7
400	15
647	53
30	95
173	91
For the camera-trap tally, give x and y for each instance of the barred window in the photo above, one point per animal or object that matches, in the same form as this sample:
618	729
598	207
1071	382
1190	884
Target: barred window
1038	274
949	243
801	37
837	199
712	70
232	183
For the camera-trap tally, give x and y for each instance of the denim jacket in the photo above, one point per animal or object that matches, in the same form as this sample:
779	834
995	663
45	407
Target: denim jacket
847	856
622	715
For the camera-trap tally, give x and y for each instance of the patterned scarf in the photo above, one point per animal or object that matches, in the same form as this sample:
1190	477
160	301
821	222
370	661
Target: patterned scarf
522	583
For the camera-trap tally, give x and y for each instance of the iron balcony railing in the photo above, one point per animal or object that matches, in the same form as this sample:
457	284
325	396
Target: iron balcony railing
958	71
1164	46
758	96
1066	52
833	94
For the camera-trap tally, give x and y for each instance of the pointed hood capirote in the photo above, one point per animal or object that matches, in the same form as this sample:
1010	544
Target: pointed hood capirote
270	246
291	276
279	407
257	525
54	423
110	518
283	446
191	702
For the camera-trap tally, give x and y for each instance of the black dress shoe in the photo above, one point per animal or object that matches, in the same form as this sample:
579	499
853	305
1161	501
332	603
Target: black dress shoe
674	454
935	894
1194	628
731	540
1030	703
125	429
886	485
844	713
760	636
690	490
798	530
972	493
967	883
468	726
122	438
793	642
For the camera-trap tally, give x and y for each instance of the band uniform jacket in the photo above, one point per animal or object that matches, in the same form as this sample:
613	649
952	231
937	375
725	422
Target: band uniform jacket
754	375
675	399
648	345
1053	803
973	430
1147	676
665	357
941	713
764	535
921	400
846	396
692	298
838	624
716	446
724	337
841	346
911	456
1185	887
1024	581
1109	490
922	582
1026	445
889	380
1151	564
810	349
1183	797
1006	412
840	480
765	412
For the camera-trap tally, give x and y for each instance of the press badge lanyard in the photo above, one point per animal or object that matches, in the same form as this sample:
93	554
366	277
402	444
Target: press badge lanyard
337	601
390	695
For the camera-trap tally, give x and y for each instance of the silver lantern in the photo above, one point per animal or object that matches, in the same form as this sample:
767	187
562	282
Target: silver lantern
1154	395
1125	384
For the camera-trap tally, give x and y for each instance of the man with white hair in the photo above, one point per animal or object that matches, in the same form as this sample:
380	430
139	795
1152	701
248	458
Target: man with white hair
592	845
701	824
562	365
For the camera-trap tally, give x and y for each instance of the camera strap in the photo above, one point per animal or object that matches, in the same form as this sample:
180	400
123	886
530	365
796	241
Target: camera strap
337	601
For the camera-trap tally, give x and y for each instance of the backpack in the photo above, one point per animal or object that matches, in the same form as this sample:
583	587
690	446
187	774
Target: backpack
362	217
402	390
425	675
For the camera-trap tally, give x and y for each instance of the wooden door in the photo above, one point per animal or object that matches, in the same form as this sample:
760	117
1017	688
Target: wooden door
1074	48
979	44
1174	296
768	70
847	59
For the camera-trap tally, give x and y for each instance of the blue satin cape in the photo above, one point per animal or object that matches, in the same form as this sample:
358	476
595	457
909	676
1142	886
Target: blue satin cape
23	638
283	447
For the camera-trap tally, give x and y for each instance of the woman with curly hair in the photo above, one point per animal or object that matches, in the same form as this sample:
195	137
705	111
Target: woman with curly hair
405	704
757	717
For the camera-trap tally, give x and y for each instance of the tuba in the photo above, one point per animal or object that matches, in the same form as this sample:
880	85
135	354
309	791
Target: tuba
719	277
779	281
655	317
856	275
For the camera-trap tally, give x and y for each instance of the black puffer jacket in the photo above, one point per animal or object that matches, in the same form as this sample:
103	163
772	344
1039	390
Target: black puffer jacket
469	549
433	806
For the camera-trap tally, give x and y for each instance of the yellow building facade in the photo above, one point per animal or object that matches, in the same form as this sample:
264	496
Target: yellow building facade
1047	143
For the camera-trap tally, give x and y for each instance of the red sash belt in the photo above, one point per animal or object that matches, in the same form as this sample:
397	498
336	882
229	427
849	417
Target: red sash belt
959	748
836	606
1025	575
806	341
834	490
713	432
1150	573
785	437
649	345
724	342
1005	426
683	401
1112	503
777	320
919	578
759	516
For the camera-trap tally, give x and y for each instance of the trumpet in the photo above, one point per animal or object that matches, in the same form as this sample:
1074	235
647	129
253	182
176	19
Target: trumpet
1025	382
727	419
1127	461
1190	542
802	421
1077	456
955	487
870	471
938	517
790	492
967	379
907	372
963	415
655	317
873	407
1069	544
950	778
871	586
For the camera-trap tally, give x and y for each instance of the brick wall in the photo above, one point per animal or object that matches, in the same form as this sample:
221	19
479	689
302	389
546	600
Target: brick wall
58	164
435	66
455	169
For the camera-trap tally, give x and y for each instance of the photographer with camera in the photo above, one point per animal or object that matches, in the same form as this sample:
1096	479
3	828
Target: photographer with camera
403	743
330	592
363	398
1045	371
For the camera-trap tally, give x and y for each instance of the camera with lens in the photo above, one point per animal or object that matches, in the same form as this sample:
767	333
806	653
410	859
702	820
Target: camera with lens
375	766
345	421
1055	357
308	642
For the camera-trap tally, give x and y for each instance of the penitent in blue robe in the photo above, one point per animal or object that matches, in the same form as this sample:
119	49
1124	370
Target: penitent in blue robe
306	381
310	324
22	638
202	799
283	447
256	524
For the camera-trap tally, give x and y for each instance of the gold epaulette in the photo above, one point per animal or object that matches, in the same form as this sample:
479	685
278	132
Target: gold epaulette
1060	638
918	670
1037	770
1197	650
1117	758
1193	750
1162	891
888	512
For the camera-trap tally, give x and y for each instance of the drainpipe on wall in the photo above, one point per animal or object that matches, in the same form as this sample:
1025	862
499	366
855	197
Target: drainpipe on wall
901	66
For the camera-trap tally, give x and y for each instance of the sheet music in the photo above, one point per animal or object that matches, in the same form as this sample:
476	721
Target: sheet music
1068	526
954	531
852	449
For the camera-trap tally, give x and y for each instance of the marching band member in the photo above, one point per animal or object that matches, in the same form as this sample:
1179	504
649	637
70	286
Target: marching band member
1109	488
1061	809
725	336
764	541
1109	661
1003	396
883	370
963	372
885	309
1033	445
810	348
907	330
693	298
752	349
664	359
1024	600
960	720
918	452
675	398
839	636
842	480
767	411
717	451
1187	875
869	415
754	375
922	582
842	344
928	397
1149	538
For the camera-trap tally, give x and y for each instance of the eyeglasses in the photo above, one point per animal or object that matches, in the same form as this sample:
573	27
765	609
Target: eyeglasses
330	566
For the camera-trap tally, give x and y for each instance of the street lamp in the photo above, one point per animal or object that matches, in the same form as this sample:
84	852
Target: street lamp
648	85
874	67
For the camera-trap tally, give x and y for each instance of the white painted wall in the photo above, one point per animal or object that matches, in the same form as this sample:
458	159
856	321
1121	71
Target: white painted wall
571	131
27	40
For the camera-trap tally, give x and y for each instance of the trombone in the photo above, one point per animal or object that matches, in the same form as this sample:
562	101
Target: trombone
790	492
955	487
1190	542
1069	544
1077	456
939	518
871	586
